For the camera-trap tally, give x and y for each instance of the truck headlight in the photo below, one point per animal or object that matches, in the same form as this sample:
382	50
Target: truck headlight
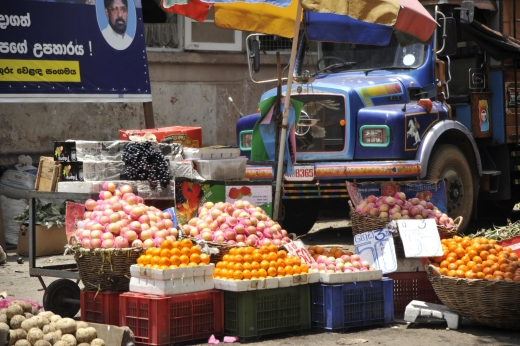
245	139
374	136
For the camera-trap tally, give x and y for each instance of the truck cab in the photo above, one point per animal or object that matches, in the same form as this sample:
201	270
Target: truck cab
444	110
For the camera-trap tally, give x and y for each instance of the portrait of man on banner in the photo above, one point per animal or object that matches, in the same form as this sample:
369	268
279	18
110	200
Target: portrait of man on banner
116	20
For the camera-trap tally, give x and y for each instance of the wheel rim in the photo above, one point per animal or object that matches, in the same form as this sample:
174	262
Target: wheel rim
56	294
454	188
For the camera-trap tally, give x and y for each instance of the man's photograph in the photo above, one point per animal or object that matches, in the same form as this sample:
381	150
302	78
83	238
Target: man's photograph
116	19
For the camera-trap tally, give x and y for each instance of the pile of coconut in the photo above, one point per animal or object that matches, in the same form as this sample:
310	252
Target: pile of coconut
24	325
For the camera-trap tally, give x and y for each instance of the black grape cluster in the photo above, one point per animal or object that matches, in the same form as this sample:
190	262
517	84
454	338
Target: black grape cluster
143	162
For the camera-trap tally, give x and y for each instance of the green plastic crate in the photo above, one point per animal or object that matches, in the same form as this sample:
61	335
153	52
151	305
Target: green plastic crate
250	315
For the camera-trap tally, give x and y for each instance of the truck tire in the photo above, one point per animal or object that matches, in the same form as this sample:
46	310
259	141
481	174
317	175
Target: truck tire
449	164
299	216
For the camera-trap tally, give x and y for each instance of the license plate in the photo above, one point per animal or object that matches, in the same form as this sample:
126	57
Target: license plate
301	173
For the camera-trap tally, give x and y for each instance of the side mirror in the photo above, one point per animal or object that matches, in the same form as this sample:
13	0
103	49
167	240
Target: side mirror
447	37
253	52
467	12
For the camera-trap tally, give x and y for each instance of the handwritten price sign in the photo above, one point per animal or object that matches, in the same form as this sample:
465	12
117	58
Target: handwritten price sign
420	238
296	248
377	248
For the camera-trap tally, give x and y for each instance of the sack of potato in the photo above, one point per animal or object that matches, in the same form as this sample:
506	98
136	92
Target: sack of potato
23	325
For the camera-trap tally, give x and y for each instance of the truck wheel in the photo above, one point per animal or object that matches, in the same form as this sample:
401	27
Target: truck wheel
299	216
449	164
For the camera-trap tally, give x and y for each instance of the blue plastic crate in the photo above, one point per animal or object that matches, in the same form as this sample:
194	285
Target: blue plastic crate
343	306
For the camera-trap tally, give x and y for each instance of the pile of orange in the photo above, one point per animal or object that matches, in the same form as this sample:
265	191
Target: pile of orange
477	258
245	263
176	254
316	251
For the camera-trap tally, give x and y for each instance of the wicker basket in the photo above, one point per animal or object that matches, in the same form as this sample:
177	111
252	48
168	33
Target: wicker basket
223	249
490	302
105	269
362	223
449	232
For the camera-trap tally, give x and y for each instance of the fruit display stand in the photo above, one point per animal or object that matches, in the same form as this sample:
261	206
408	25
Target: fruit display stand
63	295
253	314
336	308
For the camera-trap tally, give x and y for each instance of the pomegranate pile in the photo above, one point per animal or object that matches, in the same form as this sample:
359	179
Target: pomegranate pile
398	207
120	219
240	223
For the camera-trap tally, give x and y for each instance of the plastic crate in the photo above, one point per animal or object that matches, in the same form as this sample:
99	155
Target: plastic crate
253	314
102	307
195	316
410	286
159	320
222	169
342	306
147	316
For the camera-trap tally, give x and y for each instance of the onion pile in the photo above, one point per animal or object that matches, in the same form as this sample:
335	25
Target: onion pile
398	207
241	223
120	219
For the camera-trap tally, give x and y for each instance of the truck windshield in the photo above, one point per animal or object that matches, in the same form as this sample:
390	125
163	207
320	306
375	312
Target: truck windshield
368	57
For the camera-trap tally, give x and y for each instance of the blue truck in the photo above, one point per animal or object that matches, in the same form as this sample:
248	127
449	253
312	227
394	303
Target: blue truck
445	110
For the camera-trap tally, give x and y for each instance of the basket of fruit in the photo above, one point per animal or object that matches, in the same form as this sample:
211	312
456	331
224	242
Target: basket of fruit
478	279
114	232
365	221
105	269
228	225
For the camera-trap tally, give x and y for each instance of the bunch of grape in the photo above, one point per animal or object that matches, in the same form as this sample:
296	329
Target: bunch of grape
143	162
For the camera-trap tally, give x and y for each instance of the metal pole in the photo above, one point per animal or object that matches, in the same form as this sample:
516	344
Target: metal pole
285	120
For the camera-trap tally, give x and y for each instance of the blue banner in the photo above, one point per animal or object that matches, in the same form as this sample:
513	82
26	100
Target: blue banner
73	51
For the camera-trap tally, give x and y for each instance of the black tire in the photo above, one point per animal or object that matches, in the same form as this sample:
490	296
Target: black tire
449	164
56	292
299	216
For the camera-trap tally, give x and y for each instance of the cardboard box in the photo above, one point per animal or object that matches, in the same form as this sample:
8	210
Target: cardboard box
186	135
215	152
49	241
65	151
72	171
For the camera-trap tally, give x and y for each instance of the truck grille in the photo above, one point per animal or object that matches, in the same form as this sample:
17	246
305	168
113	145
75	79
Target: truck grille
315	190
322	123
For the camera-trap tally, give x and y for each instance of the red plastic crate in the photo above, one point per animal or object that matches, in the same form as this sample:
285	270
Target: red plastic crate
196	315
159	320
147	316
102	307
410	286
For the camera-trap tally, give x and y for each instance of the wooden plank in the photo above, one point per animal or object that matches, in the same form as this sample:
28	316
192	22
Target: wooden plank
48	175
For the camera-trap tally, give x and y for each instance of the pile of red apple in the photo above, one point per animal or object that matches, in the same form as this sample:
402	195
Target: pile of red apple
398	207
241	223
120	219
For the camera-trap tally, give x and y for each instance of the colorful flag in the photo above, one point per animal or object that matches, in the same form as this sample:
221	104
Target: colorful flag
265	133
194	9
267	17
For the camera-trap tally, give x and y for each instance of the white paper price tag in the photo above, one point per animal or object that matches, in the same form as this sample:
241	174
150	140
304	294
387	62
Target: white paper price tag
377	248
420	238
297	248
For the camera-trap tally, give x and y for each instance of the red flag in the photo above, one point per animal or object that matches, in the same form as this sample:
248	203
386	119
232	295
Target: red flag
194	9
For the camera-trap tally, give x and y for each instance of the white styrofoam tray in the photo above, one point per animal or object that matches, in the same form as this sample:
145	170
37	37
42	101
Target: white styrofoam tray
171	287
173	273
246	285
343	278
210	153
